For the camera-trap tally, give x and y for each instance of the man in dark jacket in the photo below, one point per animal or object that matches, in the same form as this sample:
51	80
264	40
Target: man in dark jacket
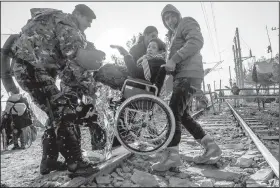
185	60
235	91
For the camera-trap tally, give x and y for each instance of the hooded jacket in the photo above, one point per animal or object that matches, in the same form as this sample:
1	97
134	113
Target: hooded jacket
185	45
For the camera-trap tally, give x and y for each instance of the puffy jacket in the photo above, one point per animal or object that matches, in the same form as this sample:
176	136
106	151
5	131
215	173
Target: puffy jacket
185	45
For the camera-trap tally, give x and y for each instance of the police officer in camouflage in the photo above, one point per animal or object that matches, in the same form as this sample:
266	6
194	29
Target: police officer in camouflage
52	44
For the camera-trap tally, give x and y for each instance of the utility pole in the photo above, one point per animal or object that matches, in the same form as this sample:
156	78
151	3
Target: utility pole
203	86
269	47
236	62
274	29
230	80
240	60
214	85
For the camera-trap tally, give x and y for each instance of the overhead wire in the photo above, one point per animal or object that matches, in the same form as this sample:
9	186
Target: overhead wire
245	43
216	33
207	25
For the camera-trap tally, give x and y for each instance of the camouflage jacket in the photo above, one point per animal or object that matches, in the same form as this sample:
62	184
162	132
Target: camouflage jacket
51	39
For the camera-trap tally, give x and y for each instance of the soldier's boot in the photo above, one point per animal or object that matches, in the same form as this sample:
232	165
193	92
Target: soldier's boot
212	152
50	153
72	152
15	140
170	158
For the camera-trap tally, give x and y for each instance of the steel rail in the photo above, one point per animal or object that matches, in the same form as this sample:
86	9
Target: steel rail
248	96
270	159
198	113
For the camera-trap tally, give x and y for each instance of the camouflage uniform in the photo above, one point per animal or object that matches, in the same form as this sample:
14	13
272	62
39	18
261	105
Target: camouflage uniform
47	48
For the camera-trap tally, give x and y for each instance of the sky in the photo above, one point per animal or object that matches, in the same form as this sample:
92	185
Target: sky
117	22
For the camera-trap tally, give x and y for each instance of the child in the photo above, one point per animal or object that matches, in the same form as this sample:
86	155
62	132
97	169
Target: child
148	66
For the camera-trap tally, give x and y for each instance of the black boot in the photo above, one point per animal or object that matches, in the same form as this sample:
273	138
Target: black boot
50	153
70	148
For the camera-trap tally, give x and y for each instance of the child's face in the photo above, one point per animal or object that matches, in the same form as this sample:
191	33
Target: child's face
152	48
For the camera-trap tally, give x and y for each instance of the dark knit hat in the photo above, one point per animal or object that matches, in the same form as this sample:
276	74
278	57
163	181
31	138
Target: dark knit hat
85	11
149	30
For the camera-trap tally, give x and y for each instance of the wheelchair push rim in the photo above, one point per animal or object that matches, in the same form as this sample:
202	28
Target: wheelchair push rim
164	138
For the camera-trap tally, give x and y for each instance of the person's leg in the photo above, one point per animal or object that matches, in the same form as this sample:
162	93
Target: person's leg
179	103
170	157
88	117
15	139
68	132
159	79
200	98
212	150
25	76
24	136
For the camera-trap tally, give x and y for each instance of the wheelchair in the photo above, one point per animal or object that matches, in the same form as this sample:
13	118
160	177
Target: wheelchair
143	123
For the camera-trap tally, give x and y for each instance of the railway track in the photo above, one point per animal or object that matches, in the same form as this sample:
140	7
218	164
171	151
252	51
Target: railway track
245	162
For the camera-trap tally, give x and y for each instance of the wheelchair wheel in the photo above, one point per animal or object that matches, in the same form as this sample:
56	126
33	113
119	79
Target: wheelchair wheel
144	124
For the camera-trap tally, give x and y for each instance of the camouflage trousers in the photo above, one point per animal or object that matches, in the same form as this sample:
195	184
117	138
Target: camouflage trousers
62	134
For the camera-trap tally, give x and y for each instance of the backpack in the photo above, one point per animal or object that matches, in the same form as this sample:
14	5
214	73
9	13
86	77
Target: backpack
18	109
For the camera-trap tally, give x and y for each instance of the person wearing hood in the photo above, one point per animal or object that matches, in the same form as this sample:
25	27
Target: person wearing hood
52	44
185	61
